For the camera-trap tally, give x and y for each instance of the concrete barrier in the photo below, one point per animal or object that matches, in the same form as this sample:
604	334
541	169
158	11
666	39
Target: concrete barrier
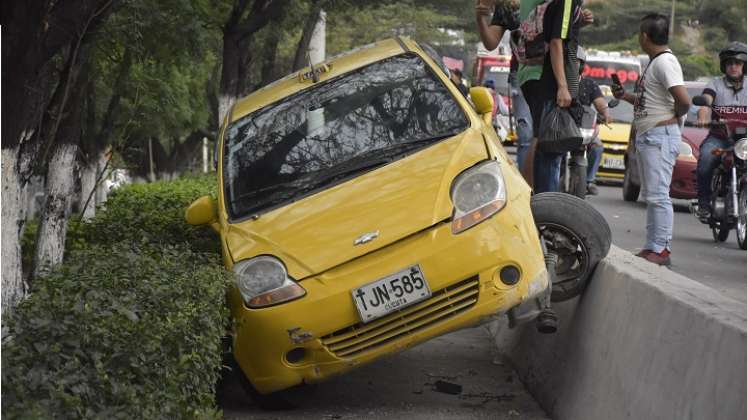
641	343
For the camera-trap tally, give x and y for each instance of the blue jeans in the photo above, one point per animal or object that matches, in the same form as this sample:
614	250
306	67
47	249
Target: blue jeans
523	124
547	165
707	163
547	171
595	158
657	151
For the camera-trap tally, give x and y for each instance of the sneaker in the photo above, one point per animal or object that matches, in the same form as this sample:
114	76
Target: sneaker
591	189
643	253
659	258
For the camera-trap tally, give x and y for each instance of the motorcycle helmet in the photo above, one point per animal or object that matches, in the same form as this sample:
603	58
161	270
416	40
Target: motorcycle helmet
735	50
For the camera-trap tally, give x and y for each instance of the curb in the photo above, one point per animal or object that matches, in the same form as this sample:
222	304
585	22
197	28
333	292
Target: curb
641	343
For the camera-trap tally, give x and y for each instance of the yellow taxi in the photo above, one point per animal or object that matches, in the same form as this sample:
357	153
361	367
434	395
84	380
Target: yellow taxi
614	137
365	206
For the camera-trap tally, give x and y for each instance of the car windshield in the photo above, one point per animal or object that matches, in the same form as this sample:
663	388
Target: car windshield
622	113
334	131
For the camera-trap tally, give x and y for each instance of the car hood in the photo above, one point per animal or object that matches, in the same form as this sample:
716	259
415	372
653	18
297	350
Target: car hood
616	133
404	197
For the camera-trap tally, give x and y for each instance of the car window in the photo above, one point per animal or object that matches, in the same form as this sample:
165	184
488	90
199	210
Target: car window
335	130
431	52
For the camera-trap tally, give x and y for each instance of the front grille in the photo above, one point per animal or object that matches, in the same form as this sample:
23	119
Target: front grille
443	304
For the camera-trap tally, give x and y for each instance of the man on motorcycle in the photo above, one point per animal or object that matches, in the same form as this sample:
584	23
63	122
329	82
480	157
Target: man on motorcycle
588	94
727	96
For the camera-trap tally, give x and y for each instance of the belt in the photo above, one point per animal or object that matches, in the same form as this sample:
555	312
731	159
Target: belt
673	120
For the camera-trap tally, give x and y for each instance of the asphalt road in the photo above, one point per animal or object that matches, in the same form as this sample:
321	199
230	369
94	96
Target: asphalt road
722	266
403	386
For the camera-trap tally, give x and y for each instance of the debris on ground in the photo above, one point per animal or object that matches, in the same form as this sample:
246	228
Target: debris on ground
448	387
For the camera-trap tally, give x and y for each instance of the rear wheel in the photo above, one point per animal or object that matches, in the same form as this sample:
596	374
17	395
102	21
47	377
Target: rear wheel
742	220
630	190
577	233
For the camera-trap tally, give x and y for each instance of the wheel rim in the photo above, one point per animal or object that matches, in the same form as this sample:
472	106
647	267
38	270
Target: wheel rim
573	256
742	219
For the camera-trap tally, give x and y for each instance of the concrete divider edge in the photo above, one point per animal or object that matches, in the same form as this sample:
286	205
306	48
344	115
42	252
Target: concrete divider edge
641	343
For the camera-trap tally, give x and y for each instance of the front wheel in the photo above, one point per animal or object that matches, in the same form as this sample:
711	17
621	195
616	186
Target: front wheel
577	233
742	220
720	234
578	181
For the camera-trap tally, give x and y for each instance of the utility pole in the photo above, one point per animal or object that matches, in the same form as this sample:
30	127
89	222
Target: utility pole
671	22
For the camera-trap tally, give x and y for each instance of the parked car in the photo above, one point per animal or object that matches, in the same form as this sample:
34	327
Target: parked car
365	206
684	181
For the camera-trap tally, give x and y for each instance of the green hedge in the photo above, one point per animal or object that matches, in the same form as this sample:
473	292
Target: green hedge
151	214
130	325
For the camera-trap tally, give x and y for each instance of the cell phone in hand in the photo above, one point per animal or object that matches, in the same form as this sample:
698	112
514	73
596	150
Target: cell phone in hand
616	79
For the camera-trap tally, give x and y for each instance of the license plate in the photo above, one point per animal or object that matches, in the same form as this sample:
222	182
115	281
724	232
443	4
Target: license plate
613	163
391	293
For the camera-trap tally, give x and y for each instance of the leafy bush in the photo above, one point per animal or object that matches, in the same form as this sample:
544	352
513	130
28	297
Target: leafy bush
152	214
130	325
118	332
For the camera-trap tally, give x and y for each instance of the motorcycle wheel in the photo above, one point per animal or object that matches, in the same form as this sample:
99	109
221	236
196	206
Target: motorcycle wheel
720	234
578	181
577	233
742	220
630	191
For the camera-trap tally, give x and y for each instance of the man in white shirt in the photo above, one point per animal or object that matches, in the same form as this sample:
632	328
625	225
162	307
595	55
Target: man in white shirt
659	101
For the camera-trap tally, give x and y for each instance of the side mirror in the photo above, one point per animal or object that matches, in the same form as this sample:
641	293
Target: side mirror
482	99
613	103
484	102
700	100
202	212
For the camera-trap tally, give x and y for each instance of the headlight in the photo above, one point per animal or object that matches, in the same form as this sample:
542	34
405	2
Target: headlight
740	149
264	281
685	149
477	193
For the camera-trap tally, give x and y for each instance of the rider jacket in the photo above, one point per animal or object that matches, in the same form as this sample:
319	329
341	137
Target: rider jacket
729	102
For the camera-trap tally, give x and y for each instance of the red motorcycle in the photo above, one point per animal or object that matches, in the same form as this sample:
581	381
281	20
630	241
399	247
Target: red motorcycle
729	182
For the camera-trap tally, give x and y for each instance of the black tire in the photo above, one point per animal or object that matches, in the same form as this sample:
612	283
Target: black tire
578	233
630	191
742	220
578	181
720	234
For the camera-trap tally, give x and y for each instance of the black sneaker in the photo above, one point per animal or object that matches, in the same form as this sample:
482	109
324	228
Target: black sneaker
591	189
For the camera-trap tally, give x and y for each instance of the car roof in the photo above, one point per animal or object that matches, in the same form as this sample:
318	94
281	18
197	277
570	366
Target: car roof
336	66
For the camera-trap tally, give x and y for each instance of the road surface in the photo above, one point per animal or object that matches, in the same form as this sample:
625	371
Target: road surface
403	386
722	266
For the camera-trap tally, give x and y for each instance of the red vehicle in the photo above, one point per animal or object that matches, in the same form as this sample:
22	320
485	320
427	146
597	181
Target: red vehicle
684	182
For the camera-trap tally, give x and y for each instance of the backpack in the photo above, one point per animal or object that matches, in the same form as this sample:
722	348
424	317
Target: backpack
528	42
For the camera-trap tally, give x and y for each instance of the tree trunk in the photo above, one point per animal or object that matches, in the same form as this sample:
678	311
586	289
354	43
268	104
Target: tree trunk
237	34
89	174
13	289
50	243
102	172
312	20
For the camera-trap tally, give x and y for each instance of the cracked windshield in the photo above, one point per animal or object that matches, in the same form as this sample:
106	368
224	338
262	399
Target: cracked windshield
335	131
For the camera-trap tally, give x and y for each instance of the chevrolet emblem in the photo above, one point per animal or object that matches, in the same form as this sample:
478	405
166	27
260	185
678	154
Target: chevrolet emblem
366	238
